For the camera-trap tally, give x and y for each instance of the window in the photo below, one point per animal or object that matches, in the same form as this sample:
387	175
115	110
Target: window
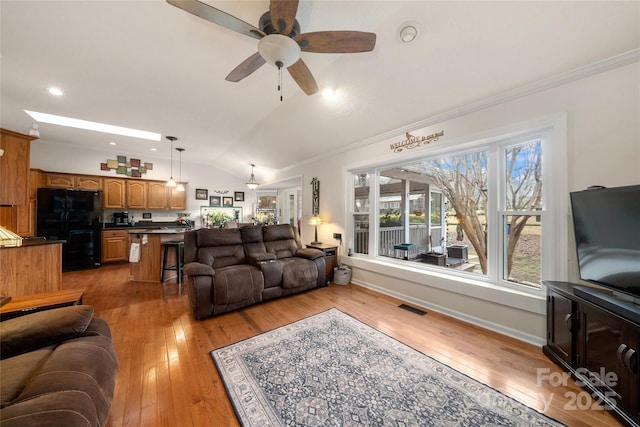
478	211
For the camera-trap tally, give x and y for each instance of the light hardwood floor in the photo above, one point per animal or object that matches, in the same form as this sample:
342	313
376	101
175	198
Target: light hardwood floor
167	378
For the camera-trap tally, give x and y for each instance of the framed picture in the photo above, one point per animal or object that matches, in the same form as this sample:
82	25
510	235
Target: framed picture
202	194
214	201
238	196
227	201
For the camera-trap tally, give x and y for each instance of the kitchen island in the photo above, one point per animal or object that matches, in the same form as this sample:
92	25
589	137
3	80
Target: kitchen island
151	242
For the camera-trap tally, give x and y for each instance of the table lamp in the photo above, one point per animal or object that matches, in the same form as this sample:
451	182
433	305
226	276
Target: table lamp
315	221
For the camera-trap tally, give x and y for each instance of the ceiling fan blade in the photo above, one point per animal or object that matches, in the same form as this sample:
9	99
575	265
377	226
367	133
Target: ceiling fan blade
283	15
217	16
247	67
301	74
336	41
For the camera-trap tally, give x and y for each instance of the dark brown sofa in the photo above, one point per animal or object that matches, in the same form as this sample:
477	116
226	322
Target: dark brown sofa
228	269
58	368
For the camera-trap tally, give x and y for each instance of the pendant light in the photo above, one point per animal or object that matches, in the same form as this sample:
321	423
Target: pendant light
180	186
252	183
171	182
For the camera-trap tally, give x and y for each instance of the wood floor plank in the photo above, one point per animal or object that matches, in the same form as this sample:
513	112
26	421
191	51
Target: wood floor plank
167	378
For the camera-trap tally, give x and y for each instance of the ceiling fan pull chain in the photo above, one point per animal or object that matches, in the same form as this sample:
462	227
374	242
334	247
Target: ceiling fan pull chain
279	65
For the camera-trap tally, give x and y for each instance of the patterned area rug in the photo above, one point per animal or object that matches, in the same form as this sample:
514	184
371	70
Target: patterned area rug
333	370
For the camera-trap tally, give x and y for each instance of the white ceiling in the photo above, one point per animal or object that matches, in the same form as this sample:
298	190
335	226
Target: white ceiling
151	66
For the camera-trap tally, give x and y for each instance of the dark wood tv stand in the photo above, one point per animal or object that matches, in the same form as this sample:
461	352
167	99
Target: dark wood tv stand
595	342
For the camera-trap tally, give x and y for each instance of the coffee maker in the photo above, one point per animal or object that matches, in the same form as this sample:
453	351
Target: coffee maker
120	217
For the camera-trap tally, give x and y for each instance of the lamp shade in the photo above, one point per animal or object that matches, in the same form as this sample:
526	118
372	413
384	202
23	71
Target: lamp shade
315	220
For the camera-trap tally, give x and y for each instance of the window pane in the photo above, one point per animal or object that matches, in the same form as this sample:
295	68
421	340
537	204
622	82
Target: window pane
436	209
361	192
360	224
523	190
461	184
522	257
390	214
361	234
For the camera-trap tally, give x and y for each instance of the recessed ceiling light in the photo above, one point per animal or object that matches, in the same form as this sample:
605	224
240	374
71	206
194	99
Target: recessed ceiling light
153	149
112	143
95	126
329	92
408	32
55	91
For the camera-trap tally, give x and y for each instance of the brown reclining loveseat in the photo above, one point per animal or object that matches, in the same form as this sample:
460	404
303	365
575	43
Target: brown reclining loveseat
58	368
230	268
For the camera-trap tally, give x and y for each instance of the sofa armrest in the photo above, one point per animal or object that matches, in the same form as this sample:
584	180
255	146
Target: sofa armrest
198	269
258	257
309	253
27	333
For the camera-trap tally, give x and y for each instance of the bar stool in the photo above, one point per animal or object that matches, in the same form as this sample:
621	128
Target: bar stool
179	247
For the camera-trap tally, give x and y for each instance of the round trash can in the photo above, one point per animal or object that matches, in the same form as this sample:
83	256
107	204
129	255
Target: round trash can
341	275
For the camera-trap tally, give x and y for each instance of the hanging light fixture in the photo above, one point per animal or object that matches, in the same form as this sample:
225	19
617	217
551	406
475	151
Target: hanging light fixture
171	182
180	186
252	183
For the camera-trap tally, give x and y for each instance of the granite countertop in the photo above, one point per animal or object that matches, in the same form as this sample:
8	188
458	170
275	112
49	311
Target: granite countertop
159	231
34	241
147	225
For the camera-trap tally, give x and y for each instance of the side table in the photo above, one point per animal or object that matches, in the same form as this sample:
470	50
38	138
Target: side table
19	306
330	257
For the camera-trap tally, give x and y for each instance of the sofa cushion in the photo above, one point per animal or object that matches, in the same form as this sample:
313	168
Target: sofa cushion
70	409
15	373
298	273
221	256
87	365
281	240
237	283
37	330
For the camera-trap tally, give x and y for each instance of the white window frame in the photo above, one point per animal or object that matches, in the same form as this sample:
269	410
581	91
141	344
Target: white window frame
551	130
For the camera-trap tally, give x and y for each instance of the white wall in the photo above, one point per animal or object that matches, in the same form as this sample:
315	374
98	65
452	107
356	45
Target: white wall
603	128
603	132
56	157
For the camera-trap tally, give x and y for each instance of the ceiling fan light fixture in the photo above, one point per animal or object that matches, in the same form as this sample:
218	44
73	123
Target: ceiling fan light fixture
276	48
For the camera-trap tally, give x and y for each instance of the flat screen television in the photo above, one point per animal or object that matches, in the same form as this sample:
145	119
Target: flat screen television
606	224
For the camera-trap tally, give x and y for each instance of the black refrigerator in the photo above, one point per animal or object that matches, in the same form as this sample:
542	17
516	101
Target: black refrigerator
73	216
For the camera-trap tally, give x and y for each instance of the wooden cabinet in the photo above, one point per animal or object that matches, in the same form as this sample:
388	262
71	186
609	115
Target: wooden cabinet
121	193
561	322
115	245
65	180
57	180
136	194
89	183
14	168
114	195
156	195
598	346
176	200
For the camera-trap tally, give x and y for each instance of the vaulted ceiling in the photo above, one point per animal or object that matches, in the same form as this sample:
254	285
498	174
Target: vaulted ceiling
149	65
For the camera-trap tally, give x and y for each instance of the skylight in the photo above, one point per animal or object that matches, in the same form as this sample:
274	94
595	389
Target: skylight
94	126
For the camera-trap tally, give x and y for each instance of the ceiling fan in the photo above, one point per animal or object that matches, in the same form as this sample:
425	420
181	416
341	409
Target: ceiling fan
280	39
